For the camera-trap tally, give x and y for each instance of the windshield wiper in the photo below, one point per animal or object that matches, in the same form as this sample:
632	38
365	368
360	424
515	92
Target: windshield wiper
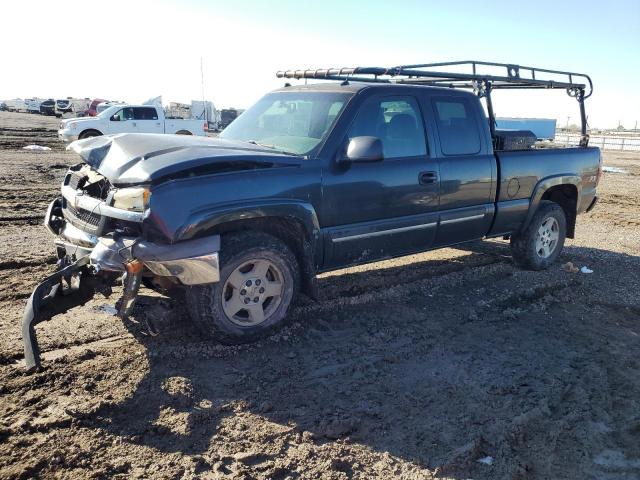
272	147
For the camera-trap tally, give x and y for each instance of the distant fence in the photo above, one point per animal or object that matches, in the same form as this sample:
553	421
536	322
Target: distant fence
605	142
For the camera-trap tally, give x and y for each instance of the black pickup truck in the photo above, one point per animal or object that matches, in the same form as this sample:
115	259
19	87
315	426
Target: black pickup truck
376	164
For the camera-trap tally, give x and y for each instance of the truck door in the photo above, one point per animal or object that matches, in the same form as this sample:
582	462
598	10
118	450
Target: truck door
146	120
122	121
467	169
384	208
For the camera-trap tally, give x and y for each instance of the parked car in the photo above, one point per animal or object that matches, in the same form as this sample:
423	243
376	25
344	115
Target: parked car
48	107
128	119
3	107
310	179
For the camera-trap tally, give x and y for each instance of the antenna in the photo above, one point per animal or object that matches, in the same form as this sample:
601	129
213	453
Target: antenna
204	103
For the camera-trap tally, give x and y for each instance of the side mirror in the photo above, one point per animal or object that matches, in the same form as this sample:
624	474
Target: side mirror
115	118
364	149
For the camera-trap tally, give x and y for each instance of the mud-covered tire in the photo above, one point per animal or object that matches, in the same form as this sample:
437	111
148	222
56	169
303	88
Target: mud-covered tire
532	248
207	303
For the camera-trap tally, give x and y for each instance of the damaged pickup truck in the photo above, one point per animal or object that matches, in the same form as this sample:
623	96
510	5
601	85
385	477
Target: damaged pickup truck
380	163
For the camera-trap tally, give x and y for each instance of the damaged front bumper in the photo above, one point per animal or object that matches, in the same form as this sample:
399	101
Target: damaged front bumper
88	263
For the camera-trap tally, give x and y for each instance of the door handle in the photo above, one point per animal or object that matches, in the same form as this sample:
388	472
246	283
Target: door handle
426	178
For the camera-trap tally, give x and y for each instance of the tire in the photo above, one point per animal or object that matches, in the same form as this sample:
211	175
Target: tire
540	244
244	256
89	134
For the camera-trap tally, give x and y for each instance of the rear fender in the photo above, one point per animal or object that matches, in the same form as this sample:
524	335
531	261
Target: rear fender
545	184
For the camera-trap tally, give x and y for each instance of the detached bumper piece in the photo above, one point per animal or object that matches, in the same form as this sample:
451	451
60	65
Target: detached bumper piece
190	262
79	289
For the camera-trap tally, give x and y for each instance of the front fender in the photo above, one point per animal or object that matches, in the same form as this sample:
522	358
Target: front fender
201	222
545	184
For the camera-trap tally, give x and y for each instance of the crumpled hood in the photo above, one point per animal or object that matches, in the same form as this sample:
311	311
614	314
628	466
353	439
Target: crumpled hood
145	158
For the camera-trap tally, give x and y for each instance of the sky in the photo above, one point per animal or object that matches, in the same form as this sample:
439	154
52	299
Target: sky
137	49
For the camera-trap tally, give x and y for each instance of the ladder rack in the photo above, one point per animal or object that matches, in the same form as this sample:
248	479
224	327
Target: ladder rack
481	77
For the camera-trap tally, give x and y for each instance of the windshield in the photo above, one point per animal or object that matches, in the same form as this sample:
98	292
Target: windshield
294	122
108	110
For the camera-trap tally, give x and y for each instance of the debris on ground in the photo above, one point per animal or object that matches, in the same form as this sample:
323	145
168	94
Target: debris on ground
609	169
37	148
488	460
586	270
570	267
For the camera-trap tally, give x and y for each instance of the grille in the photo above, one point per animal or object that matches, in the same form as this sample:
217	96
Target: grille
84	216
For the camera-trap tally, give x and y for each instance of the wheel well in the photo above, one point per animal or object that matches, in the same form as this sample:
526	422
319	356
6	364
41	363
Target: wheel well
292	233
567	197
183	132
88	130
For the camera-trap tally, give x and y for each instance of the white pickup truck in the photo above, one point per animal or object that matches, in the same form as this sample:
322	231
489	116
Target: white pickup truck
128	119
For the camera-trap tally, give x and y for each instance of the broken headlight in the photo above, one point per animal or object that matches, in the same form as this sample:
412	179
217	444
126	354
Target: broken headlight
135	199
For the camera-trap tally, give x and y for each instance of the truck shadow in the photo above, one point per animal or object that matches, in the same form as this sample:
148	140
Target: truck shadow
419	379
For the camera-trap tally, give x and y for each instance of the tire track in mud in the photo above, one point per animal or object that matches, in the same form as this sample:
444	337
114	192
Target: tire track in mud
25	278
334	285
16	264
427	283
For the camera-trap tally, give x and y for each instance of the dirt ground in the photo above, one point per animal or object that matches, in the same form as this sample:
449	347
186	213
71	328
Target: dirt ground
417	367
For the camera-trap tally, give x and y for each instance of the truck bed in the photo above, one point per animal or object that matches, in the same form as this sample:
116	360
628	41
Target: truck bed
519	173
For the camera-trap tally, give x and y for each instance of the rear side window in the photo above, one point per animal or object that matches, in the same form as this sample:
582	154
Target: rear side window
396	121
145	113
457	127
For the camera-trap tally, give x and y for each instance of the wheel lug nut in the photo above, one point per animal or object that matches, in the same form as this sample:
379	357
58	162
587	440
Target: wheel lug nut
258	282
248	284
246	300
261	289
243	292
256	299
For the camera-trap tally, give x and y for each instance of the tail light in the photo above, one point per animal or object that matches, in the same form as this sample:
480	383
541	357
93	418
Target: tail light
205	127
599	175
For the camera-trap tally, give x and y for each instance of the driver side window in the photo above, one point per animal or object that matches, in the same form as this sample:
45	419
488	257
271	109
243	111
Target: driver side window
124	114
396	121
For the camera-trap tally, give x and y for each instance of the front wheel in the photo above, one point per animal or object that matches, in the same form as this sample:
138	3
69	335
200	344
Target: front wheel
540	244
259	279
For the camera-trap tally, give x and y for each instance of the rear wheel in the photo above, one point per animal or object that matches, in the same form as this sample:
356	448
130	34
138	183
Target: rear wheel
259	280
540	244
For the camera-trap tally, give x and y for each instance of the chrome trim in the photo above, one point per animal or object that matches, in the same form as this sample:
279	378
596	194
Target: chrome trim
462	219
97	206
71	249
384	232
77	236
112	255
190	271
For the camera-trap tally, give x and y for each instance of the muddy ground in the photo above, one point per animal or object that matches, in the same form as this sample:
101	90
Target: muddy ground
417	367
